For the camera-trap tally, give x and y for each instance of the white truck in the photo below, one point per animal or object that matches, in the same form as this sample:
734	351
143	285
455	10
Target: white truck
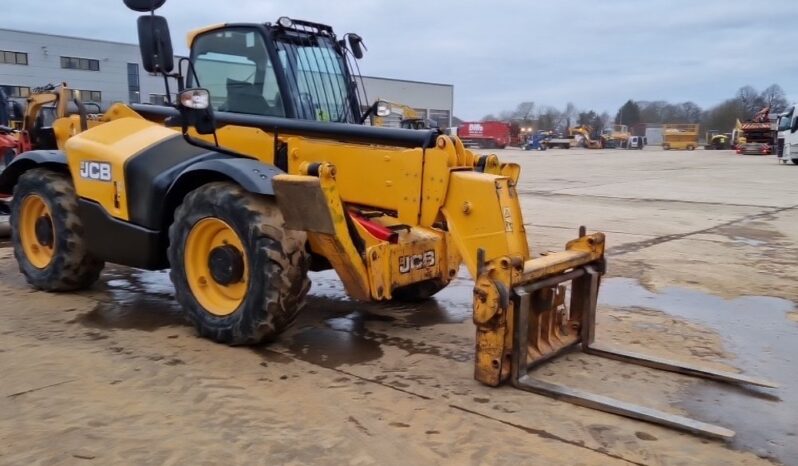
787	142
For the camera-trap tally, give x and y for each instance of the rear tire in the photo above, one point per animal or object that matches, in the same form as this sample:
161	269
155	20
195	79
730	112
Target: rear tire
273	282
49	242
690	147
795	161
666	147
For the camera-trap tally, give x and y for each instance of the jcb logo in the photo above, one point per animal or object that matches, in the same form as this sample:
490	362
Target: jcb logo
416	261
99	171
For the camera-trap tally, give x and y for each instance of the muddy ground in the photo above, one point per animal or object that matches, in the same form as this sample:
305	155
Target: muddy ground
703	264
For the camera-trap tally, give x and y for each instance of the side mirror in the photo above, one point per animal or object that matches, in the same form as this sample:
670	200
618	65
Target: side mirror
143	6
356	45
794	126
196	110
155	44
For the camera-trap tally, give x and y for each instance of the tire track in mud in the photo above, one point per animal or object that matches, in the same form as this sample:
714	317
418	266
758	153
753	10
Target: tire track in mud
640	245
547	435
542	433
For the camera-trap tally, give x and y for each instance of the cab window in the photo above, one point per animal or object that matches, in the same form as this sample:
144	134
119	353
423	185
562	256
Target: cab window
233	64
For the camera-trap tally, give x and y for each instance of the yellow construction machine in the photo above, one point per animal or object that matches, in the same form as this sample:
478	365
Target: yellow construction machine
582	137
616	137
680	136
241	187
53	114
396	115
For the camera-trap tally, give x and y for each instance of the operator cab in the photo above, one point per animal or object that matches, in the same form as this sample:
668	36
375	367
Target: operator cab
288	69
292	68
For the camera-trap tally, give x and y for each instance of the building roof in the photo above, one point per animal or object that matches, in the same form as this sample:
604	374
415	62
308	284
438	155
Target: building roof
428	83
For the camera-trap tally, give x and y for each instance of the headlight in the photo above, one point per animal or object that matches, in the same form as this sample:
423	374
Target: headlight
198	99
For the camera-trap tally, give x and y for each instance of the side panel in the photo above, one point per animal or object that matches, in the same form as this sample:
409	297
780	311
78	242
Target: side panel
97	160
377	176
121	242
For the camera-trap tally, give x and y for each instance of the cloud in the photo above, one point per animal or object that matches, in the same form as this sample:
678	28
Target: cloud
595	54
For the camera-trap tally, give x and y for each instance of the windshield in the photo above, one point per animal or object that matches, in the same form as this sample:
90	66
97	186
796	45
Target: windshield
235	68
785	120
316	71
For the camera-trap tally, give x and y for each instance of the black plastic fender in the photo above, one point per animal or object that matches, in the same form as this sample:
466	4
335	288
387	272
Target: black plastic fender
253	175
23	162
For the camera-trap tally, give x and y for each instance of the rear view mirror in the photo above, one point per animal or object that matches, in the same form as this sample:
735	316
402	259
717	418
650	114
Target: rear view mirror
196	109
155	44
356	45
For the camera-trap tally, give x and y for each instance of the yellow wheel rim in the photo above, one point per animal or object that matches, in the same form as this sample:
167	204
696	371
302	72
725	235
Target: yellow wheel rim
206	237
38	248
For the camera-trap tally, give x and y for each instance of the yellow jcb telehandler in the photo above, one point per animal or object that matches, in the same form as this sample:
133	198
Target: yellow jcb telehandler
263	170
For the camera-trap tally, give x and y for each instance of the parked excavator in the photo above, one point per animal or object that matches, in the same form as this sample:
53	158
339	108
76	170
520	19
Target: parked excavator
53	114
395	115
616	137
8	140
581	135
715	140
240	188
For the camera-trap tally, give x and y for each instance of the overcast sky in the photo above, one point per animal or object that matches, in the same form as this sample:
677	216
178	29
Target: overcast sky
497	53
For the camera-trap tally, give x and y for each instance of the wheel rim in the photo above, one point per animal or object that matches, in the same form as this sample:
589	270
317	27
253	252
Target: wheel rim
216	266
36	231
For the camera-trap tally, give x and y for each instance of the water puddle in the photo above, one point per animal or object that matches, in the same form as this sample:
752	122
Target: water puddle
136	299
748	241
331	348
335	330
757	330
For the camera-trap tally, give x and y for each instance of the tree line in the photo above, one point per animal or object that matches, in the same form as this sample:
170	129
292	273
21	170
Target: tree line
723	116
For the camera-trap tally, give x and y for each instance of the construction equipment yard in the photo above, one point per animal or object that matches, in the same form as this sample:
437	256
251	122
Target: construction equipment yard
702	254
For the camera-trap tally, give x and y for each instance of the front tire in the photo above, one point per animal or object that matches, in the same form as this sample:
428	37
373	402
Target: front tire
238	274
48	235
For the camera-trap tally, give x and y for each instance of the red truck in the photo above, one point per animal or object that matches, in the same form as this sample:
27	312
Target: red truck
487	134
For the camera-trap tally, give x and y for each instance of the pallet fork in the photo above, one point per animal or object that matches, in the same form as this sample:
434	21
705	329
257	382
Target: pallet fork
542	328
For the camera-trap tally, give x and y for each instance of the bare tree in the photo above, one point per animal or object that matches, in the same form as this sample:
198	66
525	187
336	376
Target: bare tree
750	101
691	113
723	116
524	110
549	118
774	97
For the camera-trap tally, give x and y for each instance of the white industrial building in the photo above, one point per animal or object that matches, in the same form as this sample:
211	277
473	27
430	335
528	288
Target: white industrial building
106	72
